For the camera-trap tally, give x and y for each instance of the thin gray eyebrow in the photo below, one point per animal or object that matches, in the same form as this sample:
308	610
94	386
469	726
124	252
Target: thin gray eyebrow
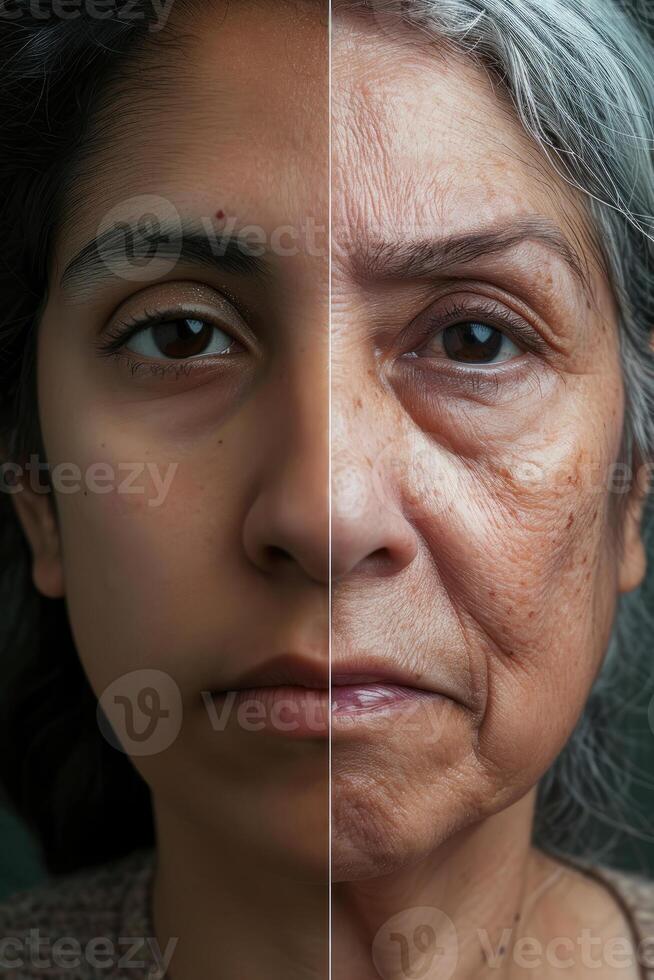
435	257
97	261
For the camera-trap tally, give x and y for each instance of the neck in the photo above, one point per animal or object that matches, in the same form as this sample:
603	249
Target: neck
466	903
233	914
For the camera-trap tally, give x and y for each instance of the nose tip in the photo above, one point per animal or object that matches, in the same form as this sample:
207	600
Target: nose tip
369	535
287	534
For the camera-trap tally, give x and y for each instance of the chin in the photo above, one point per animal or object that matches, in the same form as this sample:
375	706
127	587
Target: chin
375	832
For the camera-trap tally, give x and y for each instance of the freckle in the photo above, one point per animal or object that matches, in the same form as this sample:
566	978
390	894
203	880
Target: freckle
502	950
587	304
358	403
492	594
516	917
585	559
220	442
531	614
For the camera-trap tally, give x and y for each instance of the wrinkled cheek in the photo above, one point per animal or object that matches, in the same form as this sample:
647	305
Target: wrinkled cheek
522	542
548	617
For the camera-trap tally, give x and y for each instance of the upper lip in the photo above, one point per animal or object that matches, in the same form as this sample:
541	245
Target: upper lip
286	669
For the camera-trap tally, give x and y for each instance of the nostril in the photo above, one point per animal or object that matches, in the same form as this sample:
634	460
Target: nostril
276	555
378	563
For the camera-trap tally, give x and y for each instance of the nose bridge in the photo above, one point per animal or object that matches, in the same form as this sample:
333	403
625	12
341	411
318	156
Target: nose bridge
368	528
286	528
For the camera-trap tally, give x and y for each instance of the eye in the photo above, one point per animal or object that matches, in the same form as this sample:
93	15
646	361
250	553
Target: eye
470	342
180	338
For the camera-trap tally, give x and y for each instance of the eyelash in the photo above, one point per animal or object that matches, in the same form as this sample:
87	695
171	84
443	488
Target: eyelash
114	340
490	313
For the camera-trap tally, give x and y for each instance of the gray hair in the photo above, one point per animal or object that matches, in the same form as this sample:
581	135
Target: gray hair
579	75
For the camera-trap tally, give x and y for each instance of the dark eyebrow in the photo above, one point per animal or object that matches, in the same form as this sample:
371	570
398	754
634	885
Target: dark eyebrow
430	257
101	258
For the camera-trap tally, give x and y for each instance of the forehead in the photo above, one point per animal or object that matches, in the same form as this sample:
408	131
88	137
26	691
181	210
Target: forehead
424	141
228	114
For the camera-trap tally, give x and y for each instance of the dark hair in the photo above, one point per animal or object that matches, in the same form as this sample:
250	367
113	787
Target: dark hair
83	800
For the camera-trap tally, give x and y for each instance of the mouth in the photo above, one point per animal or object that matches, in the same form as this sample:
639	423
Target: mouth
361	696
287	695
290	695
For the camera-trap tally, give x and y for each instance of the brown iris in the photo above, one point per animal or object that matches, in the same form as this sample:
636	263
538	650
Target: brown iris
183	337
472	342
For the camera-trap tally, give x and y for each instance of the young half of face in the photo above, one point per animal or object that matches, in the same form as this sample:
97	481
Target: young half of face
478	406
197	376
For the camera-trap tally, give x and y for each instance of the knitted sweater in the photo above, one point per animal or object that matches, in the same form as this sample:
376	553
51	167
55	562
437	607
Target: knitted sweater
98	923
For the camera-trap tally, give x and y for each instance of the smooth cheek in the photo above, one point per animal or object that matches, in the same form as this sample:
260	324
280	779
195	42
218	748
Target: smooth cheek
130	573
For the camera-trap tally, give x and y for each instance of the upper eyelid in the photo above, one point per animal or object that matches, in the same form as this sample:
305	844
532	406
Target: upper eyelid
211	296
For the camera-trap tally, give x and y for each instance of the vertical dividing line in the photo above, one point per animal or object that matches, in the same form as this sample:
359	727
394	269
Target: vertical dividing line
329	479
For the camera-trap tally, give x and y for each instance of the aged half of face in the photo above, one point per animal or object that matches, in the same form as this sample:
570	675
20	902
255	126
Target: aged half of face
199	548
478	406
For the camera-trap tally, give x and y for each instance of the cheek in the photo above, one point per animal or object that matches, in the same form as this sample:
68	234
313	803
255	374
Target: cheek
142	562
524	548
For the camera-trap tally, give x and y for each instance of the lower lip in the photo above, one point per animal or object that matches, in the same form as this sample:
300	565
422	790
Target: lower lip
303	712
356	707
290	711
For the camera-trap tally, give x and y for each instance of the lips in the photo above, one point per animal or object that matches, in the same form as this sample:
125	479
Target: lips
289	694
369	671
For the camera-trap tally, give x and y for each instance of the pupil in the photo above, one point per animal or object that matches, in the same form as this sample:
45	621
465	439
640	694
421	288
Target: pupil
182	338
472	341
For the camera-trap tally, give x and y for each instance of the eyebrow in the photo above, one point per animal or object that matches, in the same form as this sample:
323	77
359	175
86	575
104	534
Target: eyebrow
100	259
436	257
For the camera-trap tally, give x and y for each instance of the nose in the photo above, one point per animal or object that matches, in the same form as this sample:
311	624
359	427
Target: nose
369	533
286	528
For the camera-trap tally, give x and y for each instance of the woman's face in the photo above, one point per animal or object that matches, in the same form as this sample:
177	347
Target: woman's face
208	555
473	534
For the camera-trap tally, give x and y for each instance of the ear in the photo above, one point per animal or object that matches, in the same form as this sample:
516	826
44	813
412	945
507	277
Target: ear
633	563
37	517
